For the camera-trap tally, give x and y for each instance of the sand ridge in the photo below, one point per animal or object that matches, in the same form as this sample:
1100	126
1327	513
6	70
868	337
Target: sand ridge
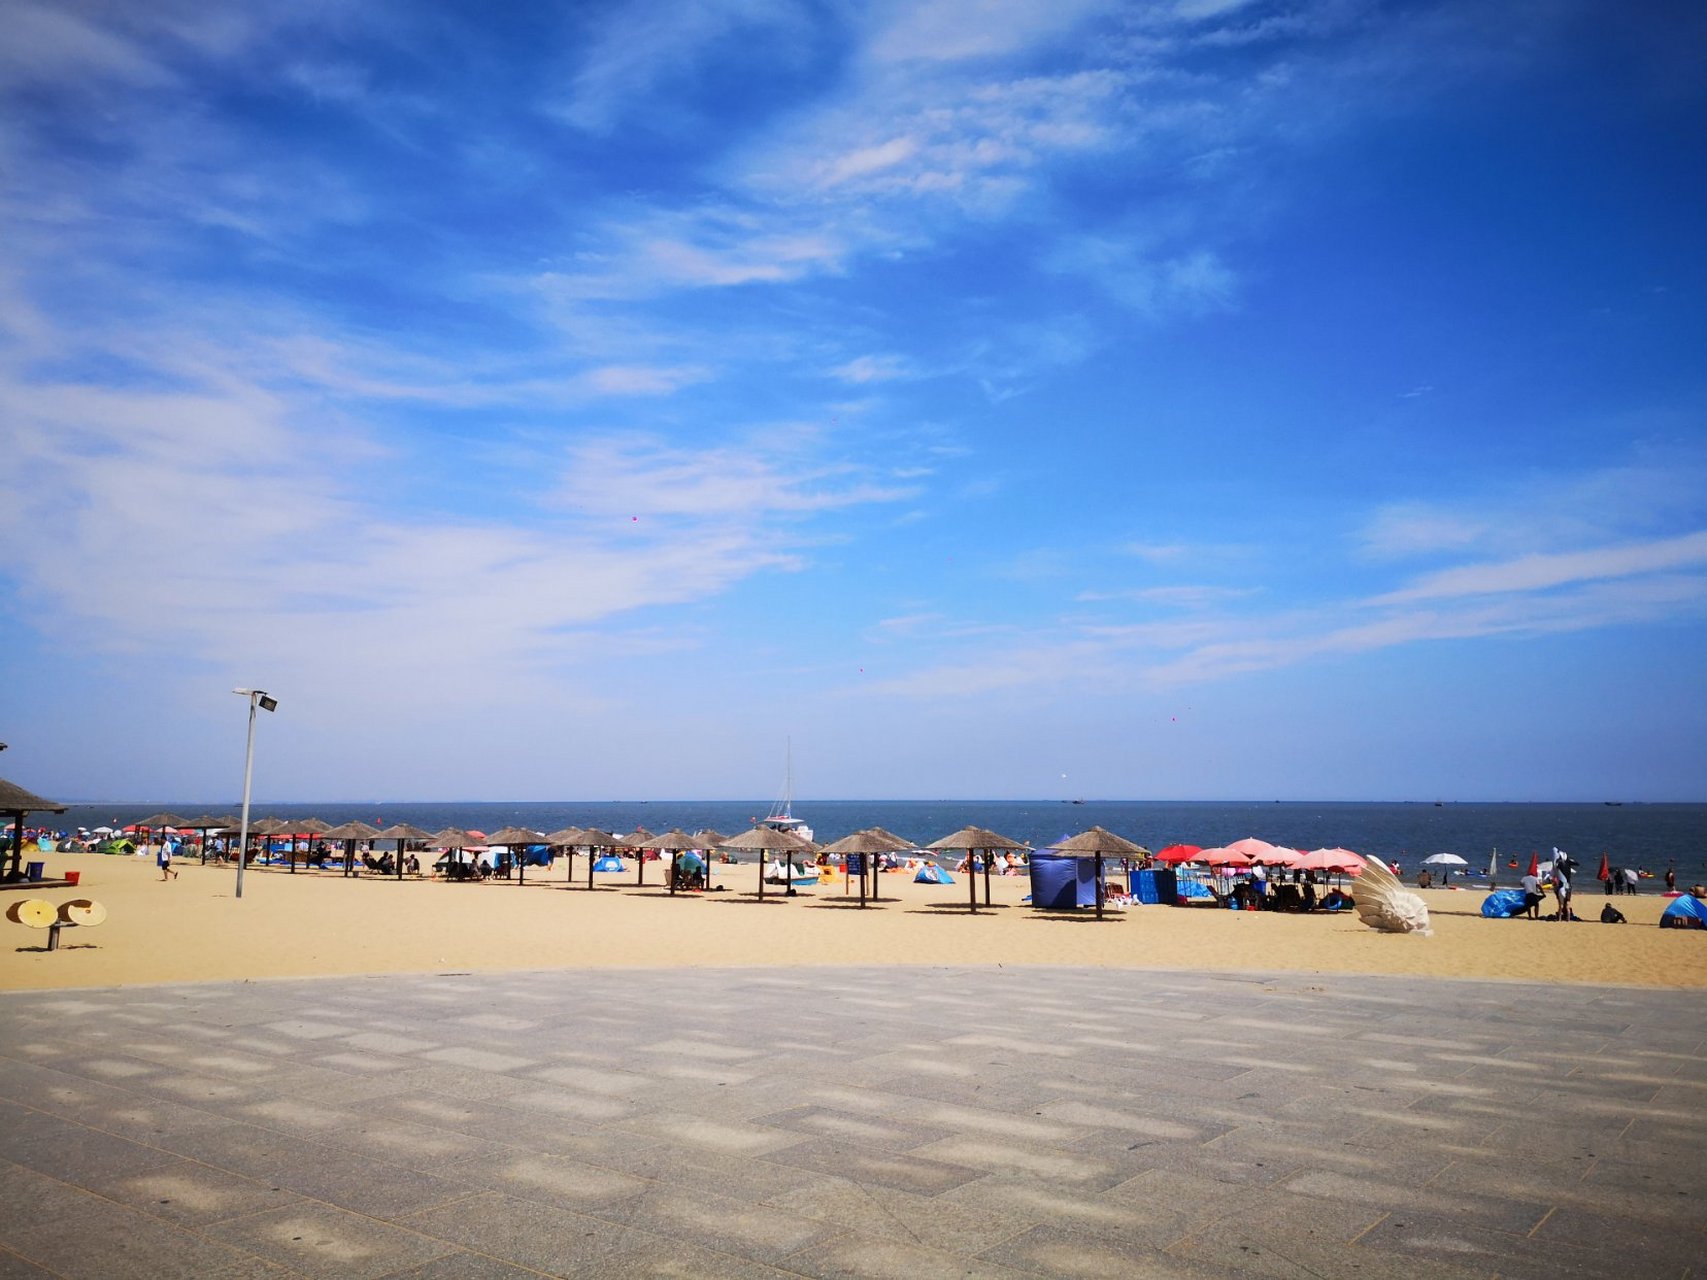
318	923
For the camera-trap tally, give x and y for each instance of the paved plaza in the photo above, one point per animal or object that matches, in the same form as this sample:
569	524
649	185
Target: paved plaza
877	1122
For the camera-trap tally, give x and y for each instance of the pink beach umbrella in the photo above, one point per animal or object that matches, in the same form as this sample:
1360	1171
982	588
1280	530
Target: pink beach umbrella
1331	860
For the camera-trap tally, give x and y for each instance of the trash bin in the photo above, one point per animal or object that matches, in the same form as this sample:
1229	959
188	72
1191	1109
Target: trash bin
33	870
73	877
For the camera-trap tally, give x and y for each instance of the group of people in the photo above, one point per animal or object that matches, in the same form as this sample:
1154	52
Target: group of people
1559	881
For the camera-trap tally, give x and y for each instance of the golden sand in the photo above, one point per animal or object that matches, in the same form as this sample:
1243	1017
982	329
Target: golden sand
318	923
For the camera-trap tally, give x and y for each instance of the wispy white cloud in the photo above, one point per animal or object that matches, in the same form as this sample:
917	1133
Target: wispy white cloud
1543	572
635	50
873	368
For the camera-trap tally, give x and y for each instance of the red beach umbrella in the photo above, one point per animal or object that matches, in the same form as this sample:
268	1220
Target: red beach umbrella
1534	863
1605	871
1175	854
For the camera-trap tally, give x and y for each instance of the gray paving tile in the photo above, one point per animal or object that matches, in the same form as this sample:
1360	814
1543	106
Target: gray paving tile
120	1243
540	1237
191	1194
1000	1122
12	1267
317	1240
1057	1251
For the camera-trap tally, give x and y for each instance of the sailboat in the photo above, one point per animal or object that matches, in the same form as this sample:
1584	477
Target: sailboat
786	869
781	817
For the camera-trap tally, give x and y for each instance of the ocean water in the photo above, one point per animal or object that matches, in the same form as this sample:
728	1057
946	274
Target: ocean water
1647	836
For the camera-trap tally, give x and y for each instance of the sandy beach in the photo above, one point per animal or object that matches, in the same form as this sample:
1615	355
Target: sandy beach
314	923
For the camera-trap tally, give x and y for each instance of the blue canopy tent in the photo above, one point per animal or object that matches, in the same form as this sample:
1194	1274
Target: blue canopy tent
610	862
930	873
1687	912
1060	882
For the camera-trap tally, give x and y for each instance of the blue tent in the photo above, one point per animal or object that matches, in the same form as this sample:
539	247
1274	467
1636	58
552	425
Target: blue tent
1062	883
930	873
1687	912
610	862
1502	904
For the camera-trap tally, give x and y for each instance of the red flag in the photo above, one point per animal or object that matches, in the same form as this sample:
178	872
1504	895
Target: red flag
1605	871
1534	863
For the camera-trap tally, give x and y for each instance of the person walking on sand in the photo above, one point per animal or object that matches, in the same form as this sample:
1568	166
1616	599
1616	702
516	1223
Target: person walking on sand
163	860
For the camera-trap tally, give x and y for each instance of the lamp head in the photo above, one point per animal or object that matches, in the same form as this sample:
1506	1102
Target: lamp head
269	703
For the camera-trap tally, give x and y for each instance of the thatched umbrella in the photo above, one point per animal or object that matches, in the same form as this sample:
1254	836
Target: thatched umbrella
349	833
16	802
262	827
400	832
1099	844
970	840
312	827
159	821
765	840
210	822
453	838
674	842
566	838
594	839
514	837
865	844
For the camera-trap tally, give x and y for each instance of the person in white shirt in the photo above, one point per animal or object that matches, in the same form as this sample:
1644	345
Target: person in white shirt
1532	896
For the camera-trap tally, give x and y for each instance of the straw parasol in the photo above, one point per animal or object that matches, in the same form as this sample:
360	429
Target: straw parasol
16	802
160	821
674	842
400	832
566	838
453	838
514	837
596	838
863	844
1099	844
763	840
210	822
262	827
311	827
970	840
349	833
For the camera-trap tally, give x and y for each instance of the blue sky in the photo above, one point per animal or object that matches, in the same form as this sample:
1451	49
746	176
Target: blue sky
1033	399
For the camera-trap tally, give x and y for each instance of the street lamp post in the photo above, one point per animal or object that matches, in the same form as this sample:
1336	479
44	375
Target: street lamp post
261	698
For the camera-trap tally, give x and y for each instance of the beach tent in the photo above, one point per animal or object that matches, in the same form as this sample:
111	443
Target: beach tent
1687	912
1098	844
930	873
610	862
1502	904
1062	883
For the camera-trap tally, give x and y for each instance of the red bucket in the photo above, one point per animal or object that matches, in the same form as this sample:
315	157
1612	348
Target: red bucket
73	877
